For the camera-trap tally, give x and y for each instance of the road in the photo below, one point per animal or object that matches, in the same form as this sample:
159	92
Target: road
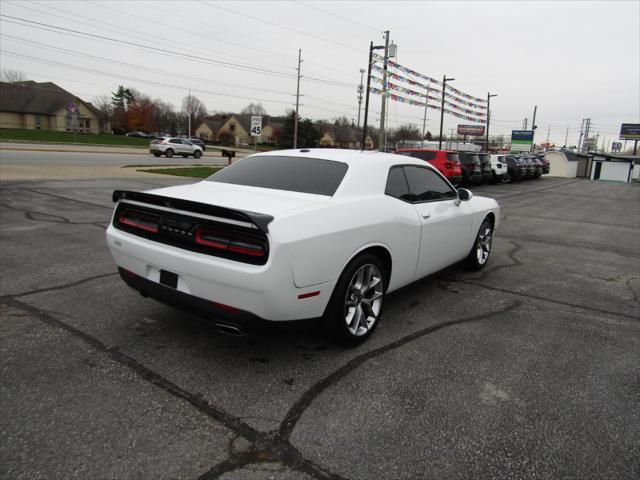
528	369
38	165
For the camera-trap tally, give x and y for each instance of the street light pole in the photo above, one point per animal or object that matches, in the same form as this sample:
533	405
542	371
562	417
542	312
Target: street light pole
295	124
366	102
383	107
444	87
489	95
424	120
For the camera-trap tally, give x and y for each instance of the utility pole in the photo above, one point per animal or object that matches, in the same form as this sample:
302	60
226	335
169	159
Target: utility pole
581	134
383	108
360	91
424	120
586	131
548	132
189	109
488	119
450	139
533	128
366	102
295	124
566	137
444	87
524	123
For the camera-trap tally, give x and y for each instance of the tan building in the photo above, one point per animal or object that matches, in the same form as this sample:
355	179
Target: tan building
209	129
31	105
239	125
336	136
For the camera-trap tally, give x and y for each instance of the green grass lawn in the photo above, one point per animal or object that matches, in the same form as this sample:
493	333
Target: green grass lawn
9	134
196	172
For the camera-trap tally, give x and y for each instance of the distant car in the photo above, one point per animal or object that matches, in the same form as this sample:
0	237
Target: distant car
471	168
499	170
546	166
171	146
485	167
198	142
139	135
295	235
516	168
446	161
534	170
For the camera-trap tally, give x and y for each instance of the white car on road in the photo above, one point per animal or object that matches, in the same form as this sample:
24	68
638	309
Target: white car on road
298	234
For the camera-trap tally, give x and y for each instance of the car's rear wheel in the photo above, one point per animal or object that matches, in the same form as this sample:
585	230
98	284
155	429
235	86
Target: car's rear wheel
197	154
156	154
169	153
355	307
185	156
479	254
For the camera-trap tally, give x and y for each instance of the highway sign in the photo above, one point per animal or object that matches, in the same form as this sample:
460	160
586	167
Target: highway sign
256	126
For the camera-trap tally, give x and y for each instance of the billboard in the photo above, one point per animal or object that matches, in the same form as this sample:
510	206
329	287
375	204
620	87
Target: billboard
521	140
630	131
471	130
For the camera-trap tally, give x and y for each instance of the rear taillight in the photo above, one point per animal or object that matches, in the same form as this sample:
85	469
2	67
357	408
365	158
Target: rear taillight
136	219
228	241
520	165
499	165
163	142
448	165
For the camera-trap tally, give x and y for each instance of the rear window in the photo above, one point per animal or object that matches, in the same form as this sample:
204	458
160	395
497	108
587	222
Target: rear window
453	157
293	174
426	156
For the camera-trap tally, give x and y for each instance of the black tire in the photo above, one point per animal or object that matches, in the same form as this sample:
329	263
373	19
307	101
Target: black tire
476	261
156	154
185	156
506	178
169	153
361	301
197	154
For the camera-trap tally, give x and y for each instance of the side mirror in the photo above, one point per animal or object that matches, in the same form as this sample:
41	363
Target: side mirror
464	195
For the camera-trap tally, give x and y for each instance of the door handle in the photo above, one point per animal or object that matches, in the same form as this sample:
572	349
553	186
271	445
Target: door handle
426	216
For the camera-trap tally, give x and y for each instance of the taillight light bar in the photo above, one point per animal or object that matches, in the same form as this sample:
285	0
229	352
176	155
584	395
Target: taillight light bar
143	221
229	242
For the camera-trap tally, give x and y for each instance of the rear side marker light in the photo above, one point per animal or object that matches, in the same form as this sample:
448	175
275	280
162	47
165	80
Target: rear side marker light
128	273
302	296
224	241
228	308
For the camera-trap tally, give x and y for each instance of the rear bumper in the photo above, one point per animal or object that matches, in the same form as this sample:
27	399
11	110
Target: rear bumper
265	291
222	315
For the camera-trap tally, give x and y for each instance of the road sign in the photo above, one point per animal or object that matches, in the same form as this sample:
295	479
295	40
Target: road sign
256	126
72	108
616	146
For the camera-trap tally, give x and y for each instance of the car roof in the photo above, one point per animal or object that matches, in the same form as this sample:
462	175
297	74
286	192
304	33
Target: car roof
424	150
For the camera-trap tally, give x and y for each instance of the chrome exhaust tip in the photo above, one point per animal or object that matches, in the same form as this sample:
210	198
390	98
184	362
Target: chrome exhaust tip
229	330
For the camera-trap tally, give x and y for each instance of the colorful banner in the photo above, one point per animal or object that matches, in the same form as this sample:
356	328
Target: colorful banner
400	99
415	93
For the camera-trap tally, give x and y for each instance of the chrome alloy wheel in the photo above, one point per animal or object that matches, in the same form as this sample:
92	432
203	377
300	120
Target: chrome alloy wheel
363	300
484	243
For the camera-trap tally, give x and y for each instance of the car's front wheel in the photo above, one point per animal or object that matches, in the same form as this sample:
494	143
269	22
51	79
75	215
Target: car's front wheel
479	254
355	307
197	154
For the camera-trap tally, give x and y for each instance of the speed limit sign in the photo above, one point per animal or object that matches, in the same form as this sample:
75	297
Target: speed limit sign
256	126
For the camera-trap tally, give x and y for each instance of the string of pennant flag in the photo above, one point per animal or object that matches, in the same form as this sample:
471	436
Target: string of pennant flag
476	102
401	99
398	88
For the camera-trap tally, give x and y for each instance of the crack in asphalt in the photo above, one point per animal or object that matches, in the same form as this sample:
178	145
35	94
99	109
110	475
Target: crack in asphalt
60	197
570	244
59	287
295	412
528	192
50	217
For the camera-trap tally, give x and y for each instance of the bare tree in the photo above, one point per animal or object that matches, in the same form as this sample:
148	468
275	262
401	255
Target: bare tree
104	105
9	75
254	109
194	106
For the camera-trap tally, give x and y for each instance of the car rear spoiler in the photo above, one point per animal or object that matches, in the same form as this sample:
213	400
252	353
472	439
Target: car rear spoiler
260	220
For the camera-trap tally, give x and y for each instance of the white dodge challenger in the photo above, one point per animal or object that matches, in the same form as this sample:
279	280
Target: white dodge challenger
311	234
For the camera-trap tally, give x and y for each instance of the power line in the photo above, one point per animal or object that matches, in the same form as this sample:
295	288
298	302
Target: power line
300	32
346	19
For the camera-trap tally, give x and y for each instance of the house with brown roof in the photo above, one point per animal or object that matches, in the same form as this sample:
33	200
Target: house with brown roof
239	125
43	106
210	127
342	136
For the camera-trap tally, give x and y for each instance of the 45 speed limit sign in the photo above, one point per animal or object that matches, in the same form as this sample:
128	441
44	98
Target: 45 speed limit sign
256	126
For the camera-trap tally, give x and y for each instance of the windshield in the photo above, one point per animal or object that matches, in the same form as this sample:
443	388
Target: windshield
294	174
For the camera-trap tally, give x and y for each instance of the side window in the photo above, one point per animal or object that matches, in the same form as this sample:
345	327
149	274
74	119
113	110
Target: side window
426	185
397	185
175	140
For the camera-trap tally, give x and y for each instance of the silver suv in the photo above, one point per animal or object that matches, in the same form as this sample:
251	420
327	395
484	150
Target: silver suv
171	146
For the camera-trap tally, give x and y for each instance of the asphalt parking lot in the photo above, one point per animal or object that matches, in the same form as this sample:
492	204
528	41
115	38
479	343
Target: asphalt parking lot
528	369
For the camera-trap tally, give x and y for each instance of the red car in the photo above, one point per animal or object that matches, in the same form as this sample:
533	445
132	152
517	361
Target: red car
446	161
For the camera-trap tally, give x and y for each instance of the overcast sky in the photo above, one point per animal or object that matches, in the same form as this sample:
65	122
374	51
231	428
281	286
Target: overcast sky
573	59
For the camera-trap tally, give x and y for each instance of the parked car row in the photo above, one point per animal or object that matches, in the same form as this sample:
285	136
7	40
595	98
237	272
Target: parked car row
474	168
